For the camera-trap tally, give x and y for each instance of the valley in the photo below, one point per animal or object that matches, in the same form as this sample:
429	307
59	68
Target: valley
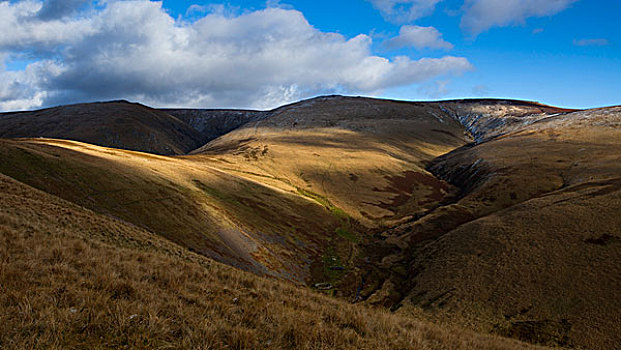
473	219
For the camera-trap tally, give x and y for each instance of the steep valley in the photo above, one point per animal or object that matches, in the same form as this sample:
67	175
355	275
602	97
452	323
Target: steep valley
497	216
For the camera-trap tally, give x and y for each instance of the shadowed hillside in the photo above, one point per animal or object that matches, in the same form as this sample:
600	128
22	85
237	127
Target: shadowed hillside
211	123
531	249
118	124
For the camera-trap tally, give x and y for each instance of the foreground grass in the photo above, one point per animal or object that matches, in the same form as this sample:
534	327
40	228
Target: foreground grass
70	278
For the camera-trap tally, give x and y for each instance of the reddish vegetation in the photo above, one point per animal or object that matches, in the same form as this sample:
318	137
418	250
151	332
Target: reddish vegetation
405	187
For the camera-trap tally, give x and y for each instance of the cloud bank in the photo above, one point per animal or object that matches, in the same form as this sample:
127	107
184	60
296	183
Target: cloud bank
135	50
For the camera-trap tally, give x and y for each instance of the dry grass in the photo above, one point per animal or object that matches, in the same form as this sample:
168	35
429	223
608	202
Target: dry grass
532	249
349	151
525	244
223	216
70	278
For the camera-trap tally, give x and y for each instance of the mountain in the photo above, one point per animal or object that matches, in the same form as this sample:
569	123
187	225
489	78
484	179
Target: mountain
117	124
211	123
191	203
125	125
494	215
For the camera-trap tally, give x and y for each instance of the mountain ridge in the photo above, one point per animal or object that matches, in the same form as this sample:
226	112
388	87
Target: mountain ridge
389	203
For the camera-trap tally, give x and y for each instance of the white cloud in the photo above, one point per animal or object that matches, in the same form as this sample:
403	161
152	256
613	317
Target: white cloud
20	89
135	50
420	38
591	42
23	30
278	4
404	11
483	14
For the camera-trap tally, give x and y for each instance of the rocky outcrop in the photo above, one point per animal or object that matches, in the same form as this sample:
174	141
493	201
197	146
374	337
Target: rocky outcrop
487	119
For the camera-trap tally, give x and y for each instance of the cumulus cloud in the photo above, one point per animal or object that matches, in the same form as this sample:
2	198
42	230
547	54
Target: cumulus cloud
420	38
54	9
135	50
591	42
480	15
403	11
23	30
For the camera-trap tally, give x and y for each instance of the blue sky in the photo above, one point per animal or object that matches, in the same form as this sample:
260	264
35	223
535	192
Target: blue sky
253	54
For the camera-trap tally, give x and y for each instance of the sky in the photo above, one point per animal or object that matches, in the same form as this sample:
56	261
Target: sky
261	54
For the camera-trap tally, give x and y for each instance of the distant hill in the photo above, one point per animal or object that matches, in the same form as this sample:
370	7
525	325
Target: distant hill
117	124
212	123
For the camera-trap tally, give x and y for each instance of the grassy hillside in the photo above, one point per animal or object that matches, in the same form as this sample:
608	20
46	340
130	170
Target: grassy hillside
231	219
118	124
531	250
363	157
500	216
71	278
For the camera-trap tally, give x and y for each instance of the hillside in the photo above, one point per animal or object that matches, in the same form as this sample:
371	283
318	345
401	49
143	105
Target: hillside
531	249
118	124
362	157
71	278
211	123
495	215
222	216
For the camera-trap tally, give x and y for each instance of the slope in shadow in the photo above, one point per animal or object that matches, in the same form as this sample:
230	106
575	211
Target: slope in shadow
117	124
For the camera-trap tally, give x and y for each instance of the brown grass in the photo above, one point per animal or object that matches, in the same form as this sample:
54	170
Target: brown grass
516	255
232	219
523	243
70	278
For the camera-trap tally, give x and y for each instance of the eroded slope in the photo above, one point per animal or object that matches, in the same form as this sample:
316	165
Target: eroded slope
212	123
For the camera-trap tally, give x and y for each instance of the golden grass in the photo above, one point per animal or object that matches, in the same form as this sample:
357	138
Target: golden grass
71	278
346	151
532	249
223	216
